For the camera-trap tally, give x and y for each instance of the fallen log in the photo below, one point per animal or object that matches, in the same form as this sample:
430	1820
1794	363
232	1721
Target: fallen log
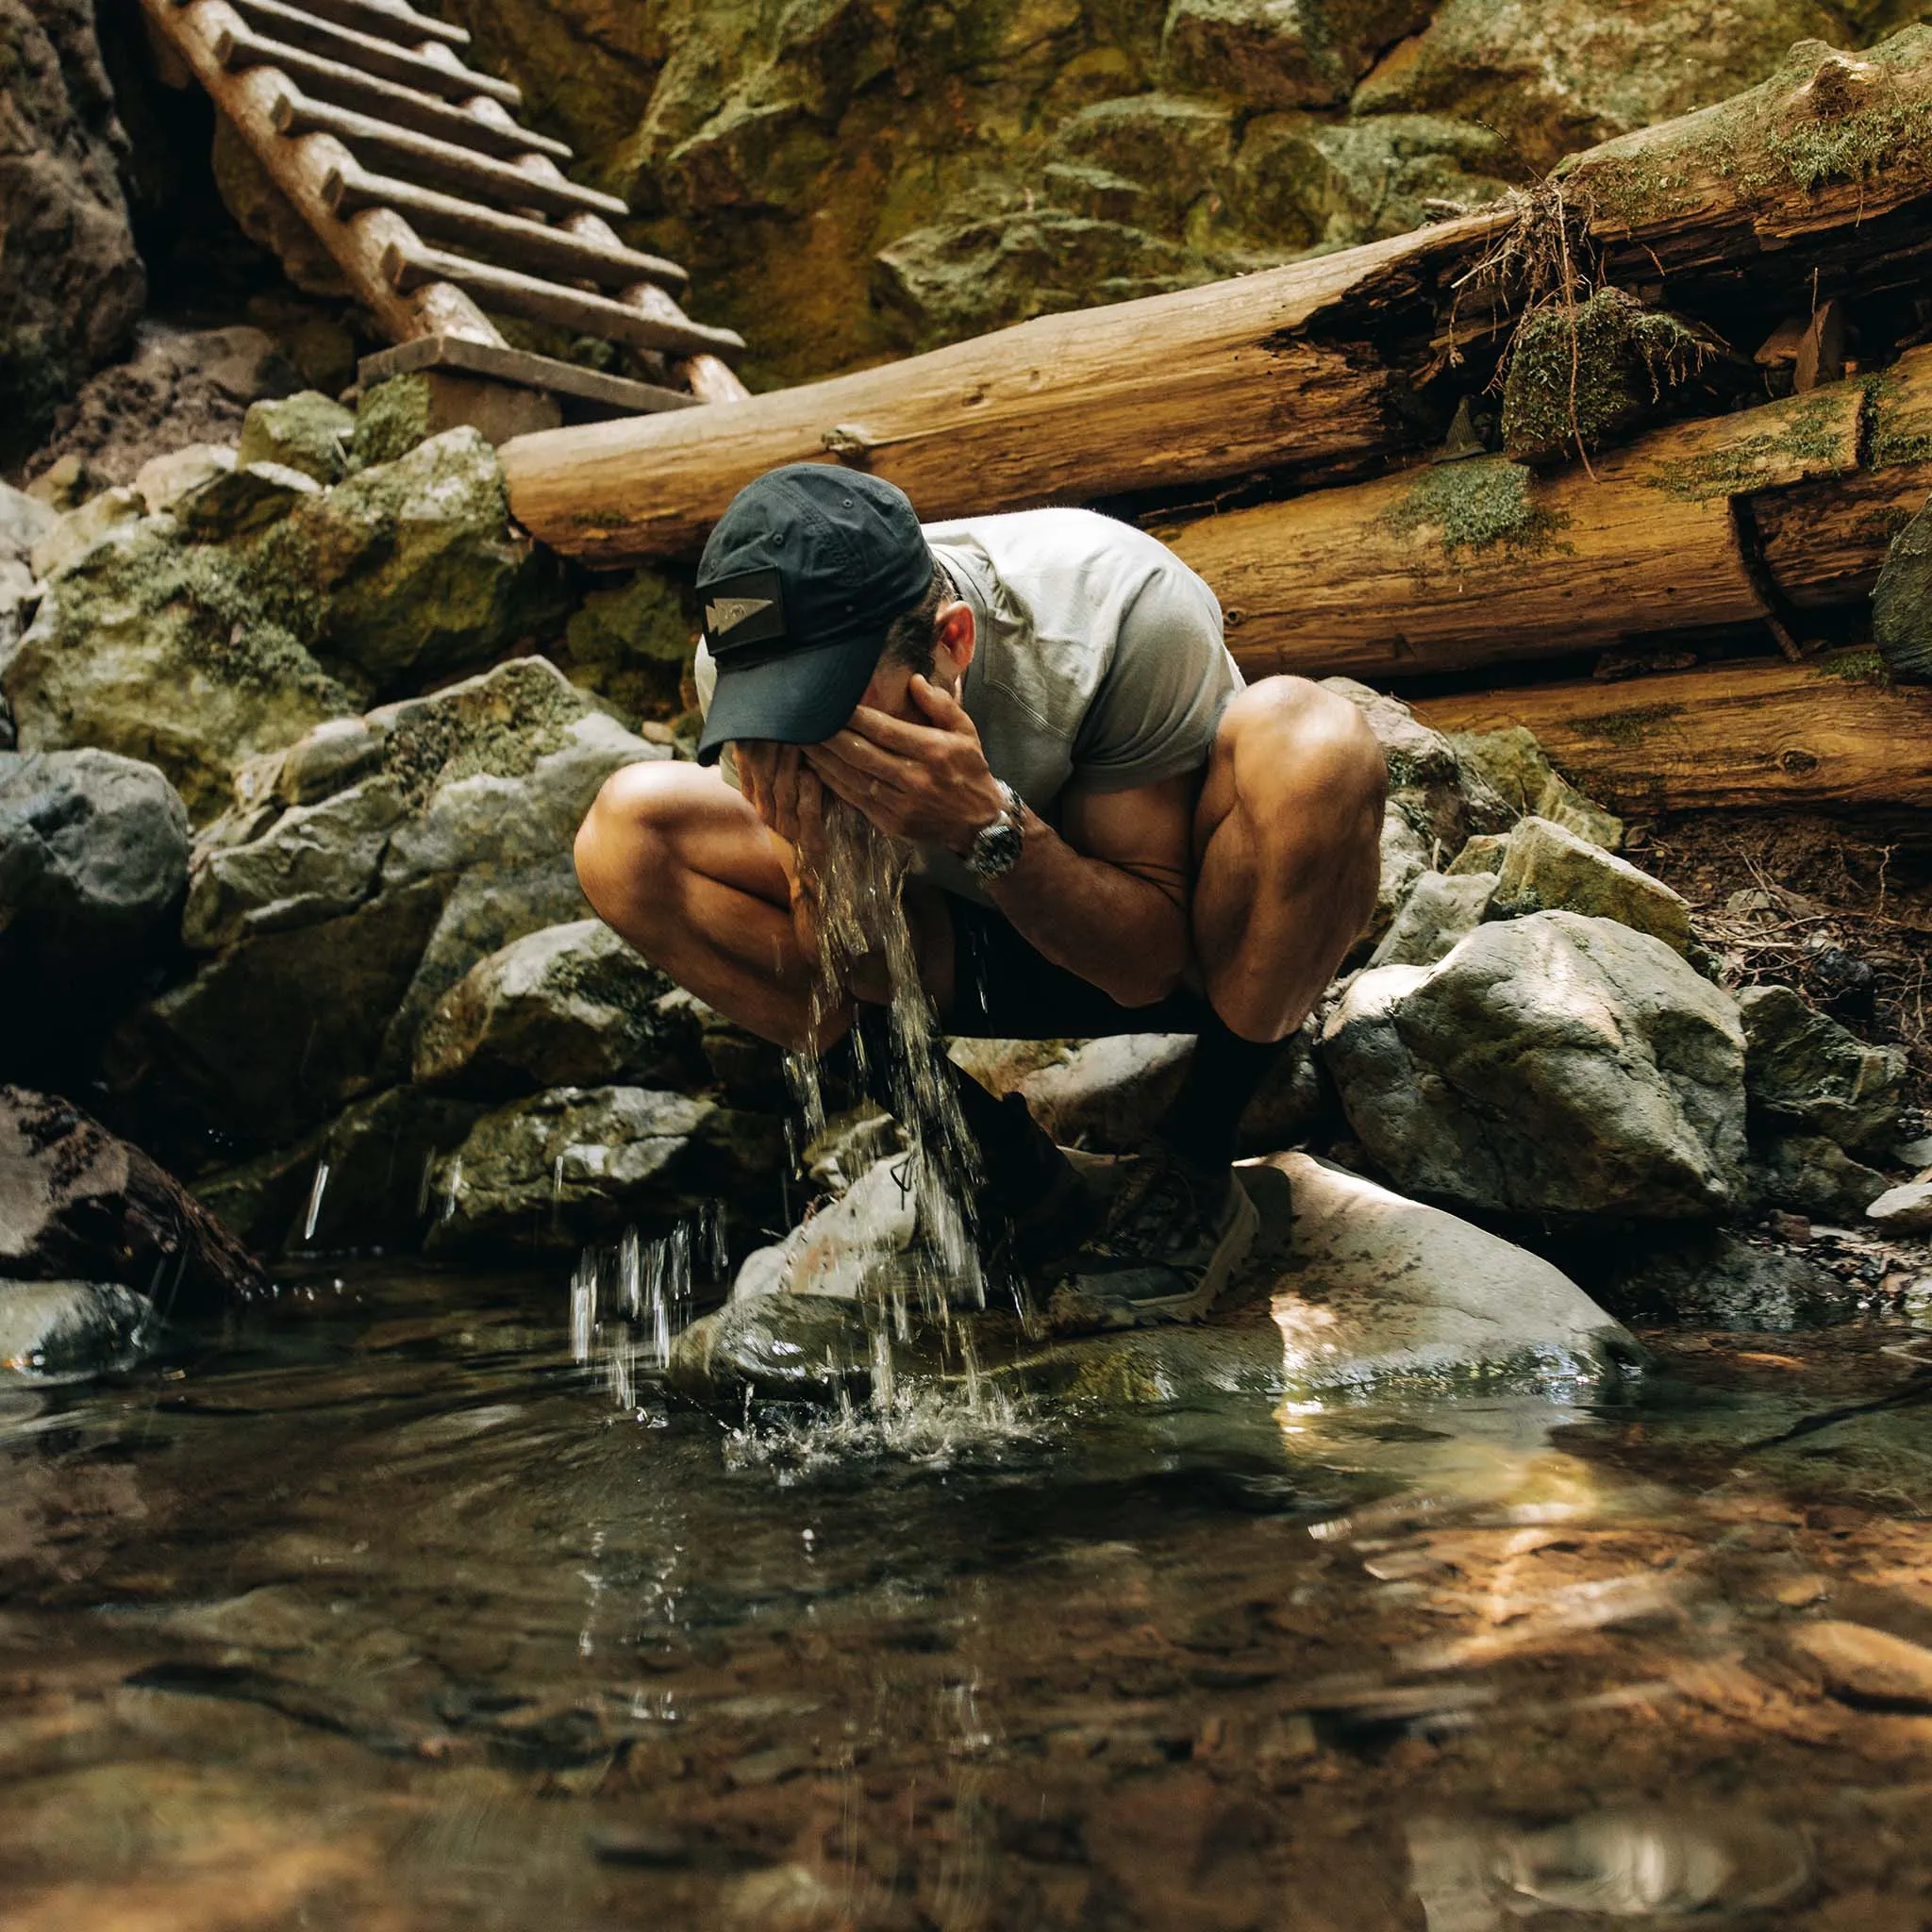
1270	371
1833	733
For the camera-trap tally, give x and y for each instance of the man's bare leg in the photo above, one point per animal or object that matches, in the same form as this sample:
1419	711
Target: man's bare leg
1287	841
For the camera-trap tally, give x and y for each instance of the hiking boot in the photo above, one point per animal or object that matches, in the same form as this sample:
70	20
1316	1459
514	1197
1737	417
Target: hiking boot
1035	1245
1173	1238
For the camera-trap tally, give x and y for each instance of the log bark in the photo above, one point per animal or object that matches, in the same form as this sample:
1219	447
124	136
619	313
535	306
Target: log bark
1831	734
1268	371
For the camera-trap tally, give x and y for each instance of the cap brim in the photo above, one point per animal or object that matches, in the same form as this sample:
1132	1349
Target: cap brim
800	698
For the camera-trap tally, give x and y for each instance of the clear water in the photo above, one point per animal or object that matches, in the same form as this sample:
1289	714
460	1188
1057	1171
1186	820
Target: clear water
381	1614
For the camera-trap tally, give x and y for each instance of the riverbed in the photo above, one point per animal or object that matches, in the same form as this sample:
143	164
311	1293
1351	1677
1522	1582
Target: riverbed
380	1610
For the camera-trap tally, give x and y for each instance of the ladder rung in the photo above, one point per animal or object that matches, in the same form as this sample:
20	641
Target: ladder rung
511	294
450	81
512	240
437	163
385	100
389	21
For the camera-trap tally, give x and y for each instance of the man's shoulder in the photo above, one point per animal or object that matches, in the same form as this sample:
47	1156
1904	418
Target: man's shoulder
1061	537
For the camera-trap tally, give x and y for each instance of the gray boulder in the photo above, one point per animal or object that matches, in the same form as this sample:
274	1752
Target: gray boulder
1802	1069
1438	913
580	1164
1811	1175
570	1004
63	1331
1903	1210
1547	868
337	925
1721	1279
1550	1065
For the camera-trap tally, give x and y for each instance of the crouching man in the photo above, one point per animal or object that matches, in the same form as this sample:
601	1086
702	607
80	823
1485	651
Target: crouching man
1113	834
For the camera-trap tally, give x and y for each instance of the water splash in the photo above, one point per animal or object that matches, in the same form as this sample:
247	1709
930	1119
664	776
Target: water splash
317	1190
628	1302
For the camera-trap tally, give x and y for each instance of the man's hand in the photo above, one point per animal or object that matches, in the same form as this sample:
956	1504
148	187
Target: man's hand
786	794
927	782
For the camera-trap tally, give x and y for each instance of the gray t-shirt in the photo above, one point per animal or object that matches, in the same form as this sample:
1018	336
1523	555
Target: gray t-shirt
1098	663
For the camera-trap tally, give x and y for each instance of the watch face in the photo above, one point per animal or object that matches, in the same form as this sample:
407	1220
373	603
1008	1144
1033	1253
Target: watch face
997	850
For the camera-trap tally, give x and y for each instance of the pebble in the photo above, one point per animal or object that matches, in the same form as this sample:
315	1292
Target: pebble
1860	1663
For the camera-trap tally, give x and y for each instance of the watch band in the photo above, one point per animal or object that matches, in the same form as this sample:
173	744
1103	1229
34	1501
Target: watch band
995	848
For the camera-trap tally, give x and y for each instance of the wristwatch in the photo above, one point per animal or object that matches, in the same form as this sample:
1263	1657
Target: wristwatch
995	848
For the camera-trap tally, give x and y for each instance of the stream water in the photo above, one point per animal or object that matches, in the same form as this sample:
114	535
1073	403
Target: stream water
379	1612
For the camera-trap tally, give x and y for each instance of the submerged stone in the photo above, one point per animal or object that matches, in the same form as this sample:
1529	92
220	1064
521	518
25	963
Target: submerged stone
57	1331
1551	1064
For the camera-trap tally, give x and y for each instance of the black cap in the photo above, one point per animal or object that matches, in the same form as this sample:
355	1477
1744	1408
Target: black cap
801	578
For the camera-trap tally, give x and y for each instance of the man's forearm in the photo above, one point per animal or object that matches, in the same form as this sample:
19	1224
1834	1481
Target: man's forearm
1121	932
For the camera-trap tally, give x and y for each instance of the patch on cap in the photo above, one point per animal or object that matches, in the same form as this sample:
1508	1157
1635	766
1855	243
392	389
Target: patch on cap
743	609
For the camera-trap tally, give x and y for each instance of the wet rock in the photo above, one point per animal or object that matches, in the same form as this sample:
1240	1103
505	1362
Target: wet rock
1265	53
306	431
579	1164
1902	600
165	651
1551	1064
1866	1666
1722	1279
76	1201
72	286
1546	869
1802	1069
61	1330
1376	1289
180	387
840	1250
1904	1211
343	921
1436	914
569	1004
93	860
1811	1175
1561	77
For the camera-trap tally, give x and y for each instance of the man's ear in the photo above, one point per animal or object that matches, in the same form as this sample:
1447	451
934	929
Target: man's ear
957	634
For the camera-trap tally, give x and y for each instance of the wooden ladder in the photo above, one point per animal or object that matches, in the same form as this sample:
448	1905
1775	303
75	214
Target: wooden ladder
438	206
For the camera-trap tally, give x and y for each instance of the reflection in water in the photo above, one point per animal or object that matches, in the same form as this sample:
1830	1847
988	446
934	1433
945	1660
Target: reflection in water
382	1619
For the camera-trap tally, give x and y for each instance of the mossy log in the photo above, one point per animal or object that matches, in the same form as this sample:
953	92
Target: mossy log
1833	733
1482	561
1270	371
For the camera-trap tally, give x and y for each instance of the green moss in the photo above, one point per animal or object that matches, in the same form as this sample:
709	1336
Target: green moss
500	725
1629	729
1480	503
1854	667
1852	147
390	420
1810	433
1582	375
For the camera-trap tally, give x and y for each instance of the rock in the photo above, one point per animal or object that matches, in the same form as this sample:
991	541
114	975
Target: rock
306	431
1482	853
1546	869
1803	1069
839	1250
1902	600
1563	804
93	860
1724	1280
1378	1292
391	418
1444	798
1437	913
80	530
180	387
75	1201
1812	1175
1563	76
242	502
1281	53
268	217
23	521
57	1331
72	286
168	652
1551	1064
415	564
1866	1666
579	1164
571	1004
1405	856
1903	1210
1156	158
345	921
632	645
162	481
1512	762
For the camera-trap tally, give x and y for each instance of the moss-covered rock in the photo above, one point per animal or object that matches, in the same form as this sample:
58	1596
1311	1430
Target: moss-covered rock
391	418
1804	1070
1546	868
1281	53
632	644
1902	602
306	431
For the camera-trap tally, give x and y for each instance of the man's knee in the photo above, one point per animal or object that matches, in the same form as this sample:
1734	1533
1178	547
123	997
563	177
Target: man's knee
626	848
1293	742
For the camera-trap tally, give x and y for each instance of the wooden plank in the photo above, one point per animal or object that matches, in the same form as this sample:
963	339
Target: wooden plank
447	79
389	21
1826	734
436	164
512	240
385	100
299	169
459	355
509	292
1484	560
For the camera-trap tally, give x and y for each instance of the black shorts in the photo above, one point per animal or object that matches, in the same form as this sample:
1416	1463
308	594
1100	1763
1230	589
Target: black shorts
1005	989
